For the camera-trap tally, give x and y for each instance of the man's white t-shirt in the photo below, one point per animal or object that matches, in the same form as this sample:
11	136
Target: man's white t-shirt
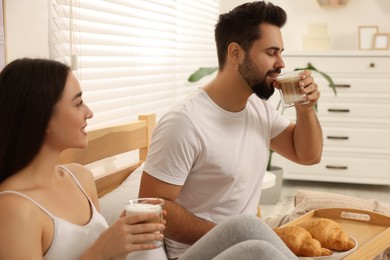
218	157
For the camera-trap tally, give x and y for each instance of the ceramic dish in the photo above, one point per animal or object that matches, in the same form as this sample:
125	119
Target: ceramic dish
335	256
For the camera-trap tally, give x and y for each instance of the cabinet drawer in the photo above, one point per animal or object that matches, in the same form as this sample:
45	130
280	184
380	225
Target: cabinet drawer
342	137
371	86
341	65
343	168
342	109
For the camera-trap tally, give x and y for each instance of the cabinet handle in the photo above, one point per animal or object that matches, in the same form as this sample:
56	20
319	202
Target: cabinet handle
339	110
342	85
338	137
336	167
372	65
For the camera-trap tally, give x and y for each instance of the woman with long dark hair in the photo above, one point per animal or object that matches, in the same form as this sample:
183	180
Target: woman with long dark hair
48	210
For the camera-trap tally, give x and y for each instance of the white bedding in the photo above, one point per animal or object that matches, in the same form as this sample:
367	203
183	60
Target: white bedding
111	207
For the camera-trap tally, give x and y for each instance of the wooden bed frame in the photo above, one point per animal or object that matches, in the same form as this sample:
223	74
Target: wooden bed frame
111	141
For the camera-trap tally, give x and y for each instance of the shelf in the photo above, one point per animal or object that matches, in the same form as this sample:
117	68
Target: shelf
340	53
332	3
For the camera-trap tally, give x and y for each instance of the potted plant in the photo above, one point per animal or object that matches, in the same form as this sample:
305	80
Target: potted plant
274	193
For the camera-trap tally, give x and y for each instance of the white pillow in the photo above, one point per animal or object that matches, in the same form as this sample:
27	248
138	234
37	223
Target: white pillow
111	204
306	200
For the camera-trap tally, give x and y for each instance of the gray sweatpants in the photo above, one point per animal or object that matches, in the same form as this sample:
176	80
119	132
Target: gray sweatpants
243	237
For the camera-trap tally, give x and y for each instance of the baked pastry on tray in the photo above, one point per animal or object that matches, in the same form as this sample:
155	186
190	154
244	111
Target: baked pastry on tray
300	241
329	234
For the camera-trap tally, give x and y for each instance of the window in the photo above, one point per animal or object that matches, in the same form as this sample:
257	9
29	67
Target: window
133	56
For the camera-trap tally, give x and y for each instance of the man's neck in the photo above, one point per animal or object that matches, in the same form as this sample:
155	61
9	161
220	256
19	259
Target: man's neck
228	92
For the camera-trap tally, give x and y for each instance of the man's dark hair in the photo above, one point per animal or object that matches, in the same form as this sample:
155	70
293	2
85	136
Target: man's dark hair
241	25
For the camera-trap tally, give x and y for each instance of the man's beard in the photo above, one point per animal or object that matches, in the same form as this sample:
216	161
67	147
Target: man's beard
259	86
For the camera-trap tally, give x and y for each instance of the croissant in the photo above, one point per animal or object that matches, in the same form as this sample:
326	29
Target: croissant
301	242
329	233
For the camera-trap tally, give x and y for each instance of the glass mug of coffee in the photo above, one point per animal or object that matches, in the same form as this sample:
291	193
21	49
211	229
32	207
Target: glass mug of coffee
146	205
290	91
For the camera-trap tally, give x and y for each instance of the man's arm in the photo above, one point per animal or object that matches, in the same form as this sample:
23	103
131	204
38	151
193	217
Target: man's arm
302	142
182	225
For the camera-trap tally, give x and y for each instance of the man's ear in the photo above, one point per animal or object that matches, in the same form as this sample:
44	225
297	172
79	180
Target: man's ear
235	53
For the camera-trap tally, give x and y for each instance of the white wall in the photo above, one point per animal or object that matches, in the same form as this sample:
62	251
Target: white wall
27	23
342	22
26	29
2	38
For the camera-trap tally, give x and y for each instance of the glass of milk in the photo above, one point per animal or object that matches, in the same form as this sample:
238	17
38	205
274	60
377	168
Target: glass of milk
146	205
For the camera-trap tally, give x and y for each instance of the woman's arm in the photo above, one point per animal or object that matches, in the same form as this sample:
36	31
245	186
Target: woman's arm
21	228
126	235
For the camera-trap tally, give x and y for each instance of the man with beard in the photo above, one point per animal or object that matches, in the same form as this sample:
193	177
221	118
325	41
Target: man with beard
208	155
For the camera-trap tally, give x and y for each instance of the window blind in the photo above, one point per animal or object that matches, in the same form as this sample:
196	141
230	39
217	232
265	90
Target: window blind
133	56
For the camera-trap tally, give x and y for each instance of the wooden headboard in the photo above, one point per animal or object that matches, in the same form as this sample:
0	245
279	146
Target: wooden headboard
111	141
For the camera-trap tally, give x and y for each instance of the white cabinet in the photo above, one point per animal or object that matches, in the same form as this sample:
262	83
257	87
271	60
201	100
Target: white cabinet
355	123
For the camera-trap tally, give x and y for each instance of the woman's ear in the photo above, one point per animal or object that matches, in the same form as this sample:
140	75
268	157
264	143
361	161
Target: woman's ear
235	53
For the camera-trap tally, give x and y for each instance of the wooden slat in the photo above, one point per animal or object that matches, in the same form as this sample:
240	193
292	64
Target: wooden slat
108	182
115	140
110	141
151	123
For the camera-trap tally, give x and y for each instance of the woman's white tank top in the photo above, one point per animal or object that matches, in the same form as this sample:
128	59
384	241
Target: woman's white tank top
70	241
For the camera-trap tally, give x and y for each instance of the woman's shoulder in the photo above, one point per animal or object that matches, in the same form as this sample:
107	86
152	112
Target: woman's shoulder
82	173
84	176
16	207
22	221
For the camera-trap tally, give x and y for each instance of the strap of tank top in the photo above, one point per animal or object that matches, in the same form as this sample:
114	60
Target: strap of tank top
39	205
30	199
76	180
